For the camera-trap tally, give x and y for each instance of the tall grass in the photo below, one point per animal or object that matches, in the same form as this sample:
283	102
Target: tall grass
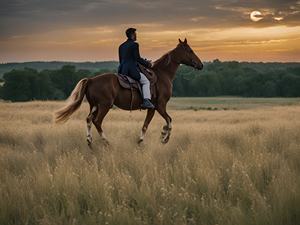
220	167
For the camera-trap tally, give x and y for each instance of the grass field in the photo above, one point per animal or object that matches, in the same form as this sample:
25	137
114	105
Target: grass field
227	167
229	103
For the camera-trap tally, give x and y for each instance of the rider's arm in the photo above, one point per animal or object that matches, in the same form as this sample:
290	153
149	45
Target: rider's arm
120	54
138	58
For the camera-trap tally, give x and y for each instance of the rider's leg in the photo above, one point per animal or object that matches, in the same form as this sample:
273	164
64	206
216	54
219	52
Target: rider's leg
146	93
145	86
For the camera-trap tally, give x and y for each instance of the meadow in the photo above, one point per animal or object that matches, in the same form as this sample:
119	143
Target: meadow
229	161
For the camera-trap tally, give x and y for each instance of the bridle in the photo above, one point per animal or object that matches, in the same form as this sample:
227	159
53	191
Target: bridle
193	63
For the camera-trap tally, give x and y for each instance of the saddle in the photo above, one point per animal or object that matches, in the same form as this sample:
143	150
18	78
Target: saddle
129	83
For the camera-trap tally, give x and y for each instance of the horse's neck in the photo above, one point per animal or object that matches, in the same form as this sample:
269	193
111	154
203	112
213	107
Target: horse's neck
167	66
171	70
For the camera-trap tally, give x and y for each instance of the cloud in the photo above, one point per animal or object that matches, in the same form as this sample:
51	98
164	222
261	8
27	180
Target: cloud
287	10
19	17
91	28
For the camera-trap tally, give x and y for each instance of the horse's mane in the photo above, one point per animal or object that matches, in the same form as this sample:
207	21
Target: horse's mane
163	59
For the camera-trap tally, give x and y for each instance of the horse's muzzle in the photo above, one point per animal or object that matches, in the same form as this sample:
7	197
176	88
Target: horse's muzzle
198	66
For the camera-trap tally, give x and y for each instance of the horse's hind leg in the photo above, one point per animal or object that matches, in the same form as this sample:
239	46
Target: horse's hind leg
150	114
166	132
89	120
97	121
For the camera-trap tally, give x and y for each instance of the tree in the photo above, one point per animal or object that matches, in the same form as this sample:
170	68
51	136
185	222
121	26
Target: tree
19	85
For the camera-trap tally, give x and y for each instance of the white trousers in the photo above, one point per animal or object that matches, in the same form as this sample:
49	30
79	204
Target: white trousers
145	86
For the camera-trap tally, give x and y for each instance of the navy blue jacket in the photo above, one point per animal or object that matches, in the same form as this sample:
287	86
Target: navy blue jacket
129	57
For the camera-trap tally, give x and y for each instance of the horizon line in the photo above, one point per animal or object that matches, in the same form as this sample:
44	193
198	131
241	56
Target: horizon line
75	61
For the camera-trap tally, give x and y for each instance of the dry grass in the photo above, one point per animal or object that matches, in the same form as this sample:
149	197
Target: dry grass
220	167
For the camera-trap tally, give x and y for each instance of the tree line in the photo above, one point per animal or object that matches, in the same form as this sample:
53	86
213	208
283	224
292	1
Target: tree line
28	84
239	79
216	79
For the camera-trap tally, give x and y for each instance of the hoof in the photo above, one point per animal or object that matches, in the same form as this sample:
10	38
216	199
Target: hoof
165	134
90	146
165	139
89	140
140	141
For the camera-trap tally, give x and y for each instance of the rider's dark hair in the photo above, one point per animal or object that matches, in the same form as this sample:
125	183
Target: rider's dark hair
130	31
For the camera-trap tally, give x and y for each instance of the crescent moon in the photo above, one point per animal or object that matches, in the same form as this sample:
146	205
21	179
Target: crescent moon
256	16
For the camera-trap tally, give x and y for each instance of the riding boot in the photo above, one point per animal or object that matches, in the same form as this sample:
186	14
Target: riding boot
147	104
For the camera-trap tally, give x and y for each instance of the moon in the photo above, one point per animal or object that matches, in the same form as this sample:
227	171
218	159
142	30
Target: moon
256	16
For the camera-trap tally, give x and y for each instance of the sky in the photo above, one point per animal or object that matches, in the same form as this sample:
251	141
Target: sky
92	30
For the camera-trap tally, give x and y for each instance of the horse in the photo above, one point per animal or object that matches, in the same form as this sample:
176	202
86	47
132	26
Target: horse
104	90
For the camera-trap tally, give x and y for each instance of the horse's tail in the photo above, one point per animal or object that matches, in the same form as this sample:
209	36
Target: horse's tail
74	102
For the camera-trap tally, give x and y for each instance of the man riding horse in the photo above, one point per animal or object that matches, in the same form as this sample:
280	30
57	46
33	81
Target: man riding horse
129	57
104	90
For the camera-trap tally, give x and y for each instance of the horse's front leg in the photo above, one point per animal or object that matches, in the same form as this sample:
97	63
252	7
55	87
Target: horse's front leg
150	114
166	132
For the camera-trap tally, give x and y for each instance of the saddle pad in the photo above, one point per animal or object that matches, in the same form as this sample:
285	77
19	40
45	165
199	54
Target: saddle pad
128	82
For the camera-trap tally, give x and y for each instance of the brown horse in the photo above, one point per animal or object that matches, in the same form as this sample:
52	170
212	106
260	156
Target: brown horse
104	91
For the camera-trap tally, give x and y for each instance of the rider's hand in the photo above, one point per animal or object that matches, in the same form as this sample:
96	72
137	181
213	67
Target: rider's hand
151	63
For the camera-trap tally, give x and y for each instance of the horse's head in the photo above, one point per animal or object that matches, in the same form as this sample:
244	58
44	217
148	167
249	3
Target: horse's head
186	55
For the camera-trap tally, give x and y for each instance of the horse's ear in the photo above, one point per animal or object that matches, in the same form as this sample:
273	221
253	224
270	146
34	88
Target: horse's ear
185	41
180	41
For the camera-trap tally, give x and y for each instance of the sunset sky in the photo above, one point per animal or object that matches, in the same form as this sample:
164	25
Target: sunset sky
91	30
